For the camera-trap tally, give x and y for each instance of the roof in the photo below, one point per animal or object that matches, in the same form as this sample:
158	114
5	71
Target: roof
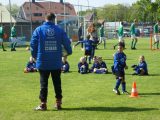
5	15
41	8
21	20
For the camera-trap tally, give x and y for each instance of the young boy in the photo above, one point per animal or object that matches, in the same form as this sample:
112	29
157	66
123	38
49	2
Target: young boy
141	68
101	67
102	34
156	36
83	66
31	66
13	37
120	35
95	64
65	65
133	35
119	66
88	46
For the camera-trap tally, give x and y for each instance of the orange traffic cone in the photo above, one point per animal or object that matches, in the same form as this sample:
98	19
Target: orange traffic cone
134	92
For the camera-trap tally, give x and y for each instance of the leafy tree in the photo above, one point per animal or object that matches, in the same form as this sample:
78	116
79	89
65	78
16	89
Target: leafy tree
14	9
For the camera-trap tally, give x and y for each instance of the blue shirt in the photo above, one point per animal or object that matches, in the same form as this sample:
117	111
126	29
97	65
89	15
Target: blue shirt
142	65
31	65
95	65
46	46
119	62
103	65
81	64
88	44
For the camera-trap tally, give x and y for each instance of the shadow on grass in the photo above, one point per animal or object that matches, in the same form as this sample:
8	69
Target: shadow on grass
112	109
154	75
149	94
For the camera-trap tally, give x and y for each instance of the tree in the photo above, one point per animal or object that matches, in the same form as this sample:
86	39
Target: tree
14	9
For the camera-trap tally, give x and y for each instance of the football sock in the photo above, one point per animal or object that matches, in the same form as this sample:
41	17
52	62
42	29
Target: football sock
118	83
123	86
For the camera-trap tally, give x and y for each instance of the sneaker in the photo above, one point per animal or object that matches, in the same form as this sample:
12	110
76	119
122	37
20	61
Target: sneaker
134	48
133	66
41	107
134	74
125	92
116	91
58	104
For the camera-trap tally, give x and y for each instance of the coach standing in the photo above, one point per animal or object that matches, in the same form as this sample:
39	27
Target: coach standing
46	47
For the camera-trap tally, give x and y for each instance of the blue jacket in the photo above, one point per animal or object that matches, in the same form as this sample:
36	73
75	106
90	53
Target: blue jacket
119	62
142	65
103	65
95	65
46	46
88	44
80	65
31	65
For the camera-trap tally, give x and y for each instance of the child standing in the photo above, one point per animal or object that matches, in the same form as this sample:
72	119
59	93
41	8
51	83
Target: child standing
31	66
156	36
141	68
82	66
88	46
133	35
120	36
65	65
119	66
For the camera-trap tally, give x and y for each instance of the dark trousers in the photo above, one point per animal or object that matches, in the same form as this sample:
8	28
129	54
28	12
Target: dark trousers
93	51
56	79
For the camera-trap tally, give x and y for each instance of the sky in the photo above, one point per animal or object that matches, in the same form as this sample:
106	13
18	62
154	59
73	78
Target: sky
95	3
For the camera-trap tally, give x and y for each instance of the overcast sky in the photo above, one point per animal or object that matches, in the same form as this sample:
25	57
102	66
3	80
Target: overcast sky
95	3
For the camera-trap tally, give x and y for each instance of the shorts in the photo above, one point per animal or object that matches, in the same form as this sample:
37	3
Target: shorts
102	39
1	40
133	36
156	38
88	52
13	39
120	74
121	39
101	71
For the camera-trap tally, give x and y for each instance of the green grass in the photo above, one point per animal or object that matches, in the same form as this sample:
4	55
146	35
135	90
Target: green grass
85	97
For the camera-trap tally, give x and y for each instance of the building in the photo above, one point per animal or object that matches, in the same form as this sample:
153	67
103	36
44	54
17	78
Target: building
5	17
36	11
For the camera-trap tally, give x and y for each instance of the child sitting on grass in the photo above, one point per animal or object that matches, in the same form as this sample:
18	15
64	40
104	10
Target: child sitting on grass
83	66
95	64
141	68
65	65
100	67
31	66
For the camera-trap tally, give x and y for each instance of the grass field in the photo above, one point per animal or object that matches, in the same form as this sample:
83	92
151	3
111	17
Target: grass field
85	97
